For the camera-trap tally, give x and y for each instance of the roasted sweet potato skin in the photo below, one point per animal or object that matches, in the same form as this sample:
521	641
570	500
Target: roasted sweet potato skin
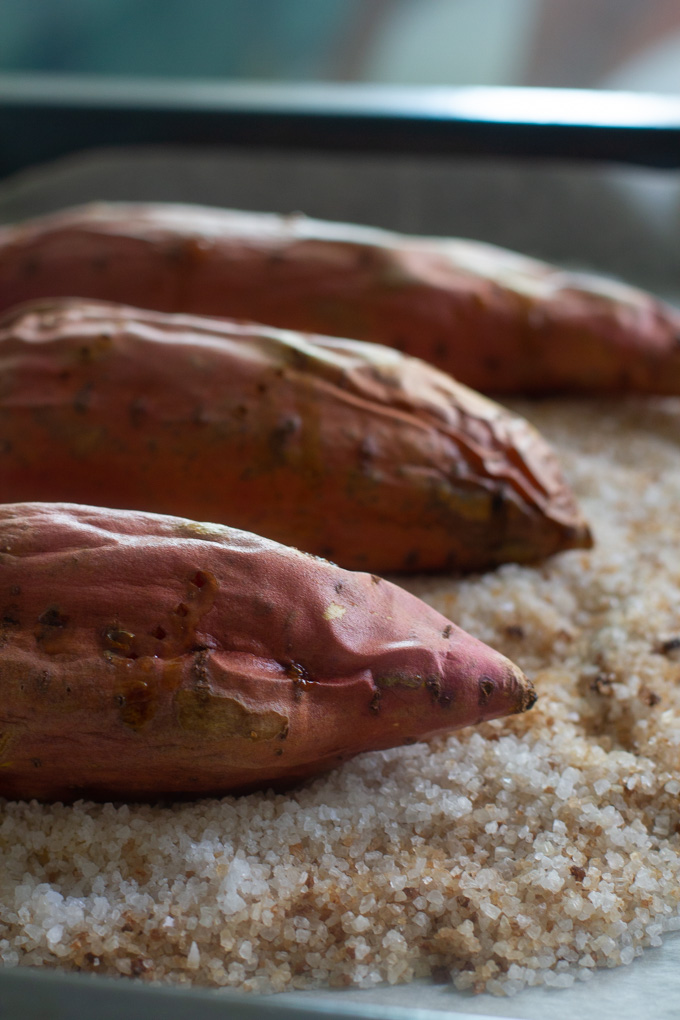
346	450
144	656
497	321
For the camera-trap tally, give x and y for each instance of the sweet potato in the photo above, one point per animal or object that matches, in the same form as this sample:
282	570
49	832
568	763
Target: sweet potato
497	321
347	450
145	656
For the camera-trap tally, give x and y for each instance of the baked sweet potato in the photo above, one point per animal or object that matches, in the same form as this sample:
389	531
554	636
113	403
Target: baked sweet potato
145	656
347	450
497	321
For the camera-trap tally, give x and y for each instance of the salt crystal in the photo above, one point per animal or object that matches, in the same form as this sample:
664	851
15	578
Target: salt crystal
490	909
55	935
245	950
393	940
361	949
552	881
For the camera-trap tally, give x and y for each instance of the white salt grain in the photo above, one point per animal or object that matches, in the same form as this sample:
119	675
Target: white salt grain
55	935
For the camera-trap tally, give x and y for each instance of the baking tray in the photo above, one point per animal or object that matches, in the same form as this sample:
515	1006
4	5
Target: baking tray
597	185
43	116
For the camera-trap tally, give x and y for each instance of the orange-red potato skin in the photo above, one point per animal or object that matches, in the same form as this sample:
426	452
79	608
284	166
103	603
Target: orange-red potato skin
347	450
146	656
496	320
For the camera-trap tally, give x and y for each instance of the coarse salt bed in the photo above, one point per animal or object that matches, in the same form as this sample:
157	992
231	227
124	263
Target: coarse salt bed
531	850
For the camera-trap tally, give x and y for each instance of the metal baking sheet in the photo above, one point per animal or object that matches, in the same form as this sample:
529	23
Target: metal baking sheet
618	219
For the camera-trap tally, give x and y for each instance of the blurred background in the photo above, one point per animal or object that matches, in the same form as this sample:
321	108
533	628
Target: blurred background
604	214
613	44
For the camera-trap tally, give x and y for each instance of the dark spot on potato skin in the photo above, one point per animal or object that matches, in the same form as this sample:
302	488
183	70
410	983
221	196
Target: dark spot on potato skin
43	682
492	365
300	677
281	436
138	411
52	617
498	504
30	266
297	672
486	689
433	684
440	351
10	617
100	263
411	559
83	399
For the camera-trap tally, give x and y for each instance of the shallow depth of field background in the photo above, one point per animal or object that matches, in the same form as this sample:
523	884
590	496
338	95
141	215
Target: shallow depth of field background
619	44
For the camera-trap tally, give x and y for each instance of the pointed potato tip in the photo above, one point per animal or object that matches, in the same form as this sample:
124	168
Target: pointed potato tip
572	533
529	696
579	536
507	692
524	688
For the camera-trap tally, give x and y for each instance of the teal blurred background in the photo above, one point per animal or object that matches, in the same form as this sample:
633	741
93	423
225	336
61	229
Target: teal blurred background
620	44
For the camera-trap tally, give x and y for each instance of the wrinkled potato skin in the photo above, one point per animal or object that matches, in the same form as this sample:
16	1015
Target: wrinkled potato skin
497	321
343	449
146	656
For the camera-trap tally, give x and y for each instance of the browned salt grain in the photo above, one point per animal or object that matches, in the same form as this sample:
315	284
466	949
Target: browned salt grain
529	851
